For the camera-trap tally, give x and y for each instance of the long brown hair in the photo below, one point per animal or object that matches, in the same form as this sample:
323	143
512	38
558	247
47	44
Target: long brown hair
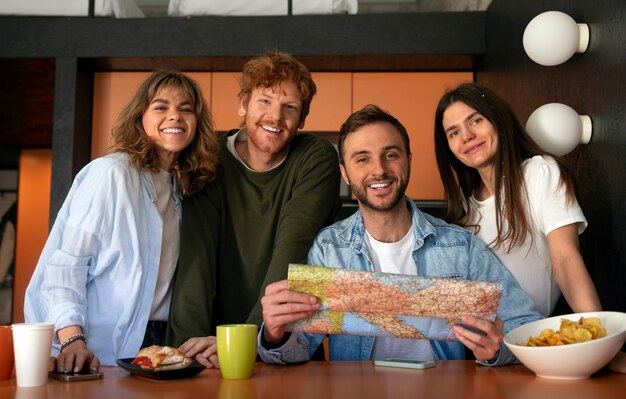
514	146
196	164
272	68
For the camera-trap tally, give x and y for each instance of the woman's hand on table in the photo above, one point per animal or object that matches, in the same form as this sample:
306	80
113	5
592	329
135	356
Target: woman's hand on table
485	347
203	350
281	306
74	358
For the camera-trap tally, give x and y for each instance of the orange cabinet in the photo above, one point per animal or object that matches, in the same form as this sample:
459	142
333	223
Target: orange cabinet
333	102
224	100
33	214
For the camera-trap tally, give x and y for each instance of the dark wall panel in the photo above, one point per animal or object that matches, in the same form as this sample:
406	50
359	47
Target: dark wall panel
26	98
593	83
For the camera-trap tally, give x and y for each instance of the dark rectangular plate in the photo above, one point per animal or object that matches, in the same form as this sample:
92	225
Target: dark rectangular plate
188	372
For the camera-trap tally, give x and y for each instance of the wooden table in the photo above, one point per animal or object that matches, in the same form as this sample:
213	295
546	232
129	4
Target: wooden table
450	379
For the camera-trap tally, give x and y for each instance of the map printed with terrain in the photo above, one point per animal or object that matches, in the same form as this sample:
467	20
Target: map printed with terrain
357	302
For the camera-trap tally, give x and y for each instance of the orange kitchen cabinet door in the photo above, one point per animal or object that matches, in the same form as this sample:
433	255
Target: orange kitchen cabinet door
224	100
33	215
411	97
112	91
332	104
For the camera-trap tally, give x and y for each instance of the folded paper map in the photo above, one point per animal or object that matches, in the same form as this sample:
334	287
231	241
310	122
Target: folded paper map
368	303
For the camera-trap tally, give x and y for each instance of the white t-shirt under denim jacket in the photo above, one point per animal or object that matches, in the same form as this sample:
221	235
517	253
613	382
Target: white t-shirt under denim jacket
438	249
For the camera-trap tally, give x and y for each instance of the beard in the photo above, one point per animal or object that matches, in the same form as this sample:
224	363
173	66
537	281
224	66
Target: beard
360	192
266	142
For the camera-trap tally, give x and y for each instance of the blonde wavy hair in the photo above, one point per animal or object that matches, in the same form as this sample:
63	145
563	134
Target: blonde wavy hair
196	165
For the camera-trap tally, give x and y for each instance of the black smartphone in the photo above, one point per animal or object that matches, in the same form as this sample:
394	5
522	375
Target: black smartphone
470	328
407	364
84	375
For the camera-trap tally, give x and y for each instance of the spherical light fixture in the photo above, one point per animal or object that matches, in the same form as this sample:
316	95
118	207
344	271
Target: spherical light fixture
558	129
552	37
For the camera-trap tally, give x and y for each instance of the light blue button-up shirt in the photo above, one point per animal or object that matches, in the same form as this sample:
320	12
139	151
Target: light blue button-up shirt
99	267
439	250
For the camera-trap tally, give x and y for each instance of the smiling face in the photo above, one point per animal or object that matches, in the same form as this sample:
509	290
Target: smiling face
376	166
170	122
471	137
272	119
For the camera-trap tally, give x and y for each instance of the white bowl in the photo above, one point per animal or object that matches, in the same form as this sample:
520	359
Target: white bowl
573	361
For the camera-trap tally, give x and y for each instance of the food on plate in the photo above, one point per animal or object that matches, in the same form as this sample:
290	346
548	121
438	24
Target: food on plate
160	358
570	332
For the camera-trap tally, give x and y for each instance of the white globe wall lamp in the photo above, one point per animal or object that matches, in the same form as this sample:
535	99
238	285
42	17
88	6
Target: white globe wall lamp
552	37
558	129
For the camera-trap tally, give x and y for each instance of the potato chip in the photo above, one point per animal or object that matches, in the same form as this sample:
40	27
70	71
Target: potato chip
582	335
569	332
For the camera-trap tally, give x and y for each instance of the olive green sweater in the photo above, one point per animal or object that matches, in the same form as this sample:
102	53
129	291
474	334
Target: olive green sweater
243	230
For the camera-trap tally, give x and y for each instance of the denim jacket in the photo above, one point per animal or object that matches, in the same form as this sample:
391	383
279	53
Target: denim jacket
439	250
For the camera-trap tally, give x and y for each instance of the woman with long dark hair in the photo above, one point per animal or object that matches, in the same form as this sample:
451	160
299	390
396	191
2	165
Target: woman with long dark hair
519	199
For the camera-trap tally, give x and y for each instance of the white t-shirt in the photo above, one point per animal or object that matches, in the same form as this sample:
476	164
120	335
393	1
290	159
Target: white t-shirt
531	266
169	246
396	257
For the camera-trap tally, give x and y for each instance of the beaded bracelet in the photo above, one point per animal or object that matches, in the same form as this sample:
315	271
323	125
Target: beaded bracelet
73	338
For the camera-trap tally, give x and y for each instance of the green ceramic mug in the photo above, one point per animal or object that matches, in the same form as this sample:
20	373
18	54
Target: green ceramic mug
236	350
